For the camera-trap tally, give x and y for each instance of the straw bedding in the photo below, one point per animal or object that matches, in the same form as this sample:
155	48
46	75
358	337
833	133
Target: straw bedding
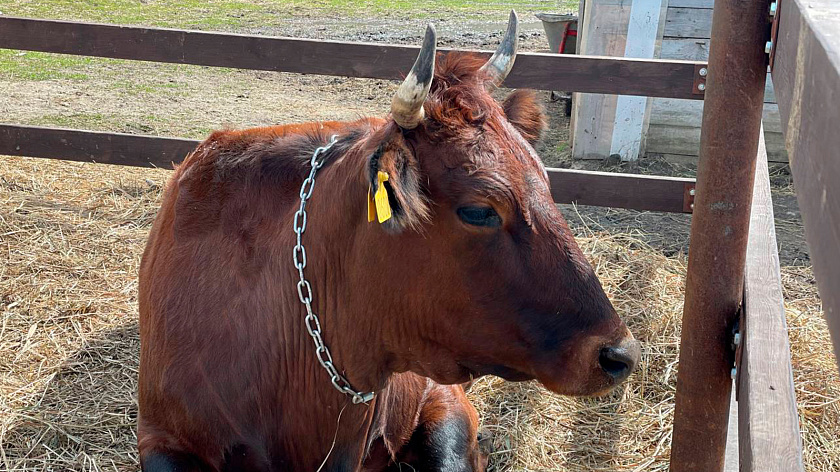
71	236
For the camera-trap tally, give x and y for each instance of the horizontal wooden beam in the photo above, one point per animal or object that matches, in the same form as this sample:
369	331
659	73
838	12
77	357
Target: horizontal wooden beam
610	189
768	422
806	76
93	146
571	73
638	192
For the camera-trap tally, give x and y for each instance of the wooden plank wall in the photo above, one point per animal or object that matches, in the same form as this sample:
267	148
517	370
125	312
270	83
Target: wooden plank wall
632	112
674	129
606	125
603	30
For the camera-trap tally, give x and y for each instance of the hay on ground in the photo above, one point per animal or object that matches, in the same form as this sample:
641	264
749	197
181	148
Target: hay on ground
71	236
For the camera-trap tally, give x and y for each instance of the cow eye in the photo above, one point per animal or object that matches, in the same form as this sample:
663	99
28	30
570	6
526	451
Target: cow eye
480	216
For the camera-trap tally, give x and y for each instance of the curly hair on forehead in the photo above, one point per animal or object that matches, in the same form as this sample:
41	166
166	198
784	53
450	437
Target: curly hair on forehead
458	102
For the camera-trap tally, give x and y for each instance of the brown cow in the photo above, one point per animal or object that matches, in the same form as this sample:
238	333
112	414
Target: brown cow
474	273
425	425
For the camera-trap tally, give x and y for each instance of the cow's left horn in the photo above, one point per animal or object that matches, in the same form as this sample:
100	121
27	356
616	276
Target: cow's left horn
500	64
407	104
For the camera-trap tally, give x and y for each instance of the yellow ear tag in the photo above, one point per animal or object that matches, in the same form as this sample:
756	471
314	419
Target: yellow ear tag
383	207
371	206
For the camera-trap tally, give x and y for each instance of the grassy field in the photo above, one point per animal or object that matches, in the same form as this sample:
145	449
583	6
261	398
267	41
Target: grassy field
149	89
242	15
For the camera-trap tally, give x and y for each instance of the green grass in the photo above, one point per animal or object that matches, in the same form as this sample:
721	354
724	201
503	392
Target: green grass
243	15
223	15
173	13
28	65
38	66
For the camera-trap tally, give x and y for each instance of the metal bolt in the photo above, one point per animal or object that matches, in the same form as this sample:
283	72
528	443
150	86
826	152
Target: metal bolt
773	7
692	192
703	71
737	339
734	373
701	87
768	47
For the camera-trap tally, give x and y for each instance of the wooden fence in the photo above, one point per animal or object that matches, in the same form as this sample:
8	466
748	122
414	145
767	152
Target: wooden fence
768	425
676	79
639	192
765	392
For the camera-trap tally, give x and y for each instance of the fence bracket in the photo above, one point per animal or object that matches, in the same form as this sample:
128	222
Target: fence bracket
688	197
700	73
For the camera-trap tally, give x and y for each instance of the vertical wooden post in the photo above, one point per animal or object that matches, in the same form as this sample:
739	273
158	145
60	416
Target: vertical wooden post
719	229
632	113
608	125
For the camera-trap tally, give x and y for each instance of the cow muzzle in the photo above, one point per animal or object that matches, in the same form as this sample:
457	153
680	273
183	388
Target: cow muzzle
620	360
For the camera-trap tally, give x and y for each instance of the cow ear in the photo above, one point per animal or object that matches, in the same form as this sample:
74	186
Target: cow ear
525	114
394	177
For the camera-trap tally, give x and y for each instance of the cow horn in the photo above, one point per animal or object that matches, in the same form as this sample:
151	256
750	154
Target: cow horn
407	104
501	62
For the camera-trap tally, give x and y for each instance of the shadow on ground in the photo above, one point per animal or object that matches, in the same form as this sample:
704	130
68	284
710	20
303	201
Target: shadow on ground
86	419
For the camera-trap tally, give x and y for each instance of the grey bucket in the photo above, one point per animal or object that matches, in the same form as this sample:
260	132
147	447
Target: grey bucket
554	25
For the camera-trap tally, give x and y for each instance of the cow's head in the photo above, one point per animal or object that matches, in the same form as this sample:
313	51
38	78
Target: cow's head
478	272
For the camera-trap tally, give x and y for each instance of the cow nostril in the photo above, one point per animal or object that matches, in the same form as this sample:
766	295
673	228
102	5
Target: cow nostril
617	362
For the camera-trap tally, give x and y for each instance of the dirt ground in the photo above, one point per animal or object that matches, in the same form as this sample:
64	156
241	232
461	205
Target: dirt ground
72	234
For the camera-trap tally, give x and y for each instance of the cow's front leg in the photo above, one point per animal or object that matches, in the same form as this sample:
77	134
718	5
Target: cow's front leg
447	446
446	438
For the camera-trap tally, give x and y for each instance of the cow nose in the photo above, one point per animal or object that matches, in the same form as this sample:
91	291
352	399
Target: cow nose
619	361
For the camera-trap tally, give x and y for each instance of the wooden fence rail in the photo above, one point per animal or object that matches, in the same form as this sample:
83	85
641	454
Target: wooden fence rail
571	73
806	76
768	424
639	192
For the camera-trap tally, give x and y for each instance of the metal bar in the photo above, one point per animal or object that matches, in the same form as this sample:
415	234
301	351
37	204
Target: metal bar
806	76
574	73
769	424
638	192
719	229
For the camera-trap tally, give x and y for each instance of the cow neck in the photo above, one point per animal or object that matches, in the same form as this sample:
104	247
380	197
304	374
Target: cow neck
312	320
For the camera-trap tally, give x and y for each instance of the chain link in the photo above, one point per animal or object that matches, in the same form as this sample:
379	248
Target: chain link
304	289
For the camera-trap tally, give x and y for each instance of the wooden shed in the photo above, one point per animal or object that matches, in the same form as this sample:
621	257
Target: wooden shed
669	127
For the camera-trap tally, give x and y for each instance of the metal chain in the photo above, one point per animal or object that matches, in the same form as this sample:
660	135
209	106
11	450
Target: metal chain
304	289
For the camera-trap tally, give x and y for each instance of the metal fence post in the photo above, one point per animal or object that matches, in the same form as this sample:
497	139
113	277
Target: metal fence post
719	229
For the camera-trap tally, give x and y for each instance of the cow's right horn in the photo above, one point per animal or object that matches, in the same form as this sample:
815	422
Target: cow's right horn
500	64
407	104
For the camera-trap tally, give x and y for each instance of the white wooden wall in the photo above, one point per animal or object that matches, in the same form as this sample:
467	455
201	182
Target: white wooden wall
674	128
605	125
